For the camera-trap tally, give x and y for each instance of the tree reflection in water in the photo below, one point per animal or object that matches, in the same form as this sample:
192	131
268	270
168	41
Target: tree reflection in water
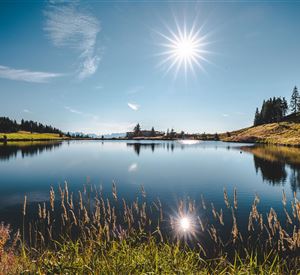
25	149
273	172
137	146
274	161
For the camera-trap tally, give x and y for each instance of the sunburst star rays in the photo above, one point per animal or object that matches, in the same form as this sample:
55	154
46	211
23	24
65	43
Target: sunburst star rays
184	49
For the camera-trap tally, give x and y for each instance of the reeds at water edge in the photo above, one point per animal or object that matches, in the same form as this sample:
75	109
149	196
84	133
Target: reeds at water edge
95	222
114	219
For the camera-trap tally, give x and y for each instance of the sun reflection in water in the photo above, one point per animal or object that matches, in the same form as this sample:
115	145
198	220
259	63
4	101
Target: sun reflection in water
189	141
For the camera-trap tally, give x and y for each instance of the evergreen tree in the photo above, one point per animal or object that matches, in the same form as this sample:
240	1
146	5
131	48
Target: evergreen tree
137	130
284	106
153	132
257	118
8	126
295	101
172	133
272	110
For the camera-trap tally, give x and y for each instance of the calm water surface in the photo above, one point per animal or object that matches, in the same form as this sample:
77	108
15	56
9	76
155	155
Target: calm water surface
169	170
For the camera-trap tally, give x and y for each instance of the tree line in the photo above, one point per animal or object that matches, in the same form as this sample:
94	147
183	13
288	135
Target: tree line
8	125
276	108
137	132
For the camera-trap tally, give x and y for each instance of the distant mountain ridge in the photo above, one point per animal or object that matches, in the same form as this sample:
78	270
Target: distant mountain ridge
115	135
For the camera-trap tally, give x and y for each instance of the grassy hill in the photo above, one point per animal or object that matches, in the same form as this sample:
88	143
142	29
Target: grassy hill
281	133
28	136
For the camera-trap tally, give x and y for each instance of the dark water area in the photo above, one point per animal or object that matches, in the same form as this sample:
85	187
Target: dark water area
168	170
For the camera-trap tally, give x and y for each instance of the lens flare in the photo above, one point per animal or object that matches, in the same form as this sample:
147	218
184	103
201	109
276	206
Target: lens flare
185	48
185	223
184	226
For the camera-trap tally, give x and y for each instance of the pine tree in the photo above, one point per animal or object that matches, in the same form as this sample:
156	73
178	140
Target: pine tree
284	106
272	110
295	101
152	132
137	130
172	133
257	118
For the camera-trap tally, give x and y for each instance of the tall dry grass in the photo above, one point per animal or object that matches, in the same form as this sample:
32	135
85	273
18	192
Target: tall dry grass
87	229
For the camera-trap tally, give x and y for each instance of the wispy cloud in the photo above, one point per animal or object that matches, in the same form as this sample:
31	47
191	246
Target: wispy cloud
73	110
225	115
67	26
27	75
27	111
133	167
133	106
93	124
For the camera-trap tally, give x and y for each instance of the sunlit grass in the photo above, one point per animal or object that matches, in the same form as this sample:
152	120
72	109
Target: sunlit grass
283	133
21	135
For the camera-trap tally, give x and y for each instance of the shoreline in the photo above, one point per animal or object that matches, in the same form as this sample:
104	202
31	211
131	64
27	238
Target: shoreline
281	134
145	139
2	142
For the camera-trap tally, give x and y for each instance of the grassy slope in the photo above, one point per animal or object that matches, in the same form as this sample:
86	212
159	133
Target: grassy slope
284	133
30	136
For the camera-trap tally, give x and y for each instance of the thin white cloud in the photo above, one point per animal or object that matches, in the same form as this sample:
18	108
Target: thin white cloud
133	106
89	66
27	75
27	111
133	167
78	30
225	115
93	124
73	110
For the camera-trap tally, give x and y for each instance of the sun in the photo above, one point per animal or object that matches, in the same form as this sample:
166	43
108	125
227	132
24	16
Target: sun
184	49
183	226
185	223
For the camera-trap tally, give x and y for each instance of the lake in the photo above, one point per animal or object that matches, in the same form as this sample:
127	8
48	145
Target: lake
168	170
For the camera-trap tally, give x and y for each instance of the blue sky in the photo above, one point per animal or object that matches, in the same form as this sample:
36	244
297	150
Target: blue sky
93	66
